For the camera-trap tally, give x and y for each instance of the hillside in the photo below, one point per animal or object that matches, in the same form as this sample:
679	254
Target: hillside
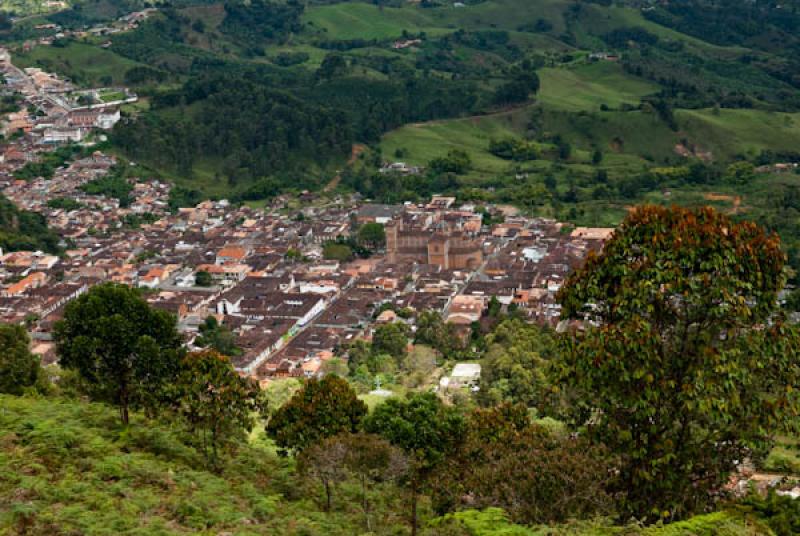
367	70
67	467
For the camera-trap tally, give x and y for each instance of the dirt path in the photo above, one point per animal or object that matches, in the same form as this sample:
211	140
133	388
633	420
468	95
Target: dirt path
736	201
355	152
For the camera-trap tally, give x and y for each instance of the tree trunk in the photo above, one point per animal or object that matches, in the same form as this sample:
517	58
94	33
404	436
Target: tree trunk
413	509
327	485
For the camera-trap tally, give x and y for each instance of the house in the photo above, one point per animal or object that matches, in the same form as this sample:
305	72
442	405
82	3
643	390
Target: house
465	310
34	280
463	375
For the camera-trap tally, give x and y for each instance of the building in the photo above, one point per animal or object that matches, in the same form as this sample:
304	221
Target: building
451	250
463	375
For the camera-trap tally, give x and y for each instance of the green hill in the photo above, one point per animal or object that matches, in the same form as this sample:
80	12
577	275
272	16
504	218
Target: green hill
67	467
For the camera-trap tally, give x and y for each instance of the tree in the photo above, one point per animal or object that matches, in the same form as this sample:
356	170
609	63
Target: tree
425	429
740	173
322	408
371	459
689	369
515	365
217	337
391	339
125	350
435	332
19	368
325	462
203	279
535	475
456	161
368	458
217	403
372	235
337	252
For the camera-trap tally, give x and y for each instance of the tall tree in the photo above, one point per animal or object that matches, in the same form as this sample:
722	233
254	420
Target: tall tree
19	368
218	404
322	408
125	350
689	369
423	427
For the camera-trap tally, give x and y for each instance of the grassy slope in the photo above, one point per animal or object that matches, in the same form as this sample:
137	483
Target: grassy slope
428	140
590	86
571	98
366	21
66	467
83	62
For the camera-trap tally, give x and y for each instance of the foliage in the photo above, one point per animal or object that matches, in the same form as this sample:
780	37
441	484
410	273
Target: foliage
435	332
322	408
113	185
682	374
216	402
782	514
372	235
514	368
19	368
24	230
456	161
533	474
64	203
126	351
391	339
203	279
425	429
217	337
364	457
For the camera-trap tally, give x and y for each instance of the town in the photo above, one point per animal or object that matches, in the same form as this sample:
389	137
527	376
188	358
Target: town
263	273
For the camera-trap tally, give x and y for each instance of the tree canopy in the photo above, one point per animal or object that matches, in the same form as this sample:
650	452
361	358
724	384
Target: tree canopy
322	408
19	368
127	351
218	404
688	369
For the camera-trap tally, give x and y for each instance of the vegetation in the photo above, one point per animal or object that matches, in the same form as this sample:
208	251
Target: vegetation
19	368
218	405
320	409
125	351
24	230
217	337
682	361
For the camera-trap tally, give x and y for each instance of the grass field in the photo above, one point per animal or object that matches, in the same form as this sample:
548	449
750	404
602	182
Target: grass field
425	141
503	14
729	132
588	86
85	64
366	21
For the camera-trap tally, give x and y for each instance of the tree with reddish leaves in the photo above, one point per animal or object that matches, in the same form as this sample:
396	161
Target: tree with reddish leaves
683	364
